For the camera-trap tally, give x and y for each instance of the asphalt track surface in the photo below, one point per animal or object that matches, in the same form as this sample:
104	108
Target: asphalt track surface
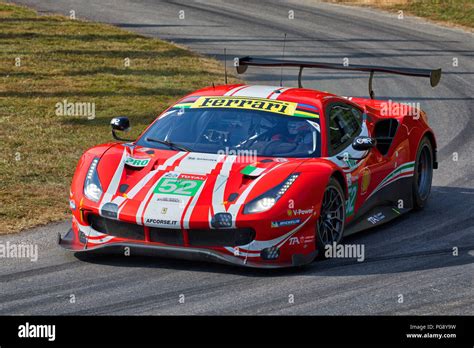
412	256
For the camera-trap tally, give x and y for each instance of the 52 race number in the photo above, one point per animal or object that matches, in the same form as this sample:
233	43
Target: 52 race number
175	186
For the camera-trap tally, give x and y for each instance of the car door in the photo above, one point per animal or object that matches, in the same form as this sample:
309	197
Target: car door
345	122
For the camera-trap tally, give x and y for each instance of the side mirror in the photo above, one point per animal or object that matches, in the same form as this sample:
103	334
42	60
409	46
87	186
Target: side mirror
120	124
363	143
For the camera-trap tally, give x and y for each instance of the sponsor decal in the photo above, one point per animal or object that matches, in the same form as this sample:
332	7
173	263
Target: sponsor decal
183	185
137	162
304	240
301	240
376	218
192	158
192	177
364	140
169	200
298	212
161	222
284	223
365	180
164	210
171	175
260	104
294	241
307	239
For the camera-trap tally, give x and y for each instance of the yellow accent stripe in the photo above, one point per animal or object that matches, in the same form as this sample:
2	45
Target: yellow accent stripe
305	114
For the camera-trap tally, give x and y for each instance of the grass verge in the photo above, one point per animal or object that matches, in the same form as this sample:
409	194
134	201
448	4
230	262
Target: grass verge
452	12
45	60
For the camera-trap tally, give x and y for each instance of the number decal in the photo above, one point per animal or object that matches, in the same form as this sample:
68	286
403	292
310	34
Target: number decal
176	186
187	185
351	201
166	186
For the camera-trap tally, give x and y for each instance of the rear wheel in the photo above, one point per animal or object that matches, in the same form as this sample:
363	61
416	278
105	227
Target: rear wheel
330	225
423	174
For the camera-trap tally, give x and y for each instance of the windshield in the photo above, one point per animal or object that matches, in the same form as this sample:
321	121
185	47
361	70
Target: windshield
232	130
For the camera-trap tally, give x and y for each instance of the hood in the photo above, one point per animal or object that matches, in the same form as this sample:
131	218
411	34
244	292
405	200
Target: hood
171	189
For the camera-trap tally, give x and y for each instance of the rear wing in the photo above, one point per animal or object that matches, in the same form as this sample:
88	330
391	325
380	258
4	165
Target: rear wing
244	62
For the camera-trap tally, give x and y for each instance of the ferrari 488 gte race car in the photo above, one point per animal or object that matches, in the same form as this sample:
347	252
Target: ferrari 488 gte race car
258	176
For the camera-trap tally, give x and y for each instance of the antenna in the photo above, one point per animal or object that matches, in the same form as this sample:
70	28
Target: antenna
282	57
225	66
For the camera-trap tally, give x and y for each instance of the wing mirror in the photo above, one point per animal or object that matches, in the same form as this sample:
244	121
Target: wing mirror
363	143
120	124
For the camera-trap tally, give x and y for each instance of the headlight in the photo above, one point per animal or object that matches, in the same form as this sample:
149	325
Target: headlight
92	186
268	199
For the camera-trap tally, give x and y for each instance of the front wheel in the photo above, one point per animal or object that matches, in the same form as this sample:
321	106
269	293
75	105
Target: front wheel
330	225
423	174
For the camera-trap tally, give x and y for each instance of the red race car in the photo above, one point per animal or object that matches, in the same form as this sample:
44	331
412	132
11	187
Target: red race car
259	176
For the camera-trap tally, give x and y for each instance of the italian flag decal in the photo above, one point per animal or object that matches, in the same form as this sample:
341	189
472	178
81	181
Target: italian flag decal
251	170
405	170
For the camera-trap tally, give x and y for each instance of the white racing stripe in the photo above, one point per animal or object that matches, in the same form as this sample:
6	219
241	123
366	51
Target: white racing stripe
167	214
256	91
276	95
169	162
189	210
113	185
233	90
144	181
97	237
220	185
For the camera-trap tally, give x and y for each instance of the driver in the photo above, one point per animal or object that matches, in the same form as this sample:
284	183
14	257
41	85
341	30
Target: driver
298	132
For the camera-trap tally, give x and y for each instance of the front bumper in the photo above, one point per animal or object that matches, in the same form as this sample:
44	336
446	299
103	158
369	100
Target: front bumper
176	252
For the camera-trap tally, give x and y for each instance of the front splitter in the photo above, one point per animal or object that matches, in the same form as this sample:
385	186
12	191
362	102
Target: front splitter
174	252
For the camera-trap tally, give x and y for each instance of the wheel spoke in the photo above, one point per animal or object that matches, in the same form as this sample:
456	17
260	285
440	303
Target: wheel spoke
331	221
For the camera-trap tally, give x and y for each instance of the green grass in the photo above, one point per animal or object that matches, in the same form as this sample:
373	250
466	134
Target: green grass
452	11
80	62
459	12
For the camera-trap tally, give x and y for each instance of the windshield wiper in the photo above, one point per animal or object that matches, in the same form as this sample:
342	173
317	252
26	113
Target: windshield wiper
169	144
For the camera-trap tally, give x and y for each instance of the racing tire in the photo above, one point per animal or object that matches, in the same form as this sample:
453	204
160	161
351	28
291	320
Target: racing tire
330	224
423	174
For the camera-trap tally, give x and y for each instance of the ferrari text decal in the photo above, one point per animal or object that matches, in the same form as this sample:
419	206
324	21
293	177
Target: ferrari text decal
275	106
